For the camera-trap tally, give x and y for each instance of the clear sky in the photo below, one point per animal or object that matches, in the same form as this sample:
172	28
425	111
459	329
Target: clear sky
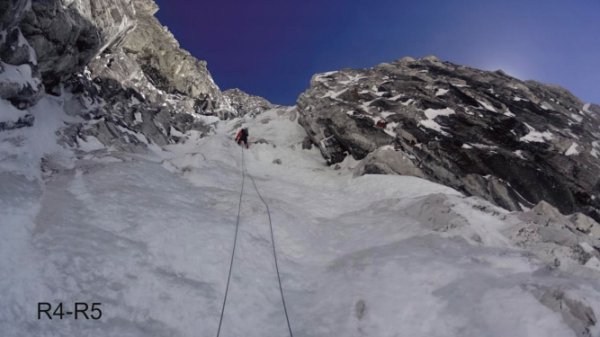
271	48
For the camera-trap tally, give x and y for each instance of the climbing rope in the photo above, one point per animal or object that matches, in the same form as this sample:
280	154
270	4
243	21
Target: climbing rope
237	227
287	318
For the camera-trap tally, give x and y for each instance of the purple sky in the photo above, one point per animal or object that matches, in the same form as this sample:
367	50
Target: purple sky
271	48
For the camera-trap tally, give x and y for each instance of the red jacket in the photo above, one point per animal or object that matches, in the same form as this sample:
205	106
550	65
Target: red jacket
241	135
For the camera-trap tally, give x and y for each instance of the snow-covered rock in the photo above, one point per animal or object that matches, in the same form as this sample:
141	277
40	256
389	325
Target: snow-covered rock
20	84
586	225
169	68
244	104
109	62
20	79
462	127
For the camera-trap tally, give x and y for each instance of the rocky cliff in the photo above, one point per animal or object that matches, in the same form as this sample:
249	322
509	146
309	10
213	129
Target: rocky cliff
113	64
488	134
150	57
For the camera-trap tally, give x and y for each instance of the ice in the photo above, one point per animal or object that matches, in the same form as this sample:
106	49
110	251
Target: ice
150	237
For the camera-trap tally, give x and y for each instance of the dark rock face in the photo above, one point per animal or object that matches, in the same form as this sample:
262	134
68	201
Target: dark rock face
514	143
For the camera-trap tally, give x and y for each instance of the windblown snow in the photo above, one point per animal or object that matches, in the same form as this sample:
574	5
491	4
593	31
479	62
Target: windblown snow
150	237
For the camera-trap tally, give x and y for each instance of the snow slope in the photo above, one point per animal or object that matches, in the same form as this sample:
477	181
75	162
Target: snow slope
150	237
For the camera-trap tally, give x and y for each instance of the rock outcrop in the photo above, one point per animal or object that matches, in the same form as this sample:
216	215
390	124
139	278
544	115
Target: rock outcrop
43	43
115	66
511	142
149	60
168	67
67	34
20	79
246	104
555	237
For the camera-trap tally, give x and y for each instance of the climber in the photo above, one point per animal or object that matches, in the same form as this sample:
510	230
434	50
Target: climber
242	136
